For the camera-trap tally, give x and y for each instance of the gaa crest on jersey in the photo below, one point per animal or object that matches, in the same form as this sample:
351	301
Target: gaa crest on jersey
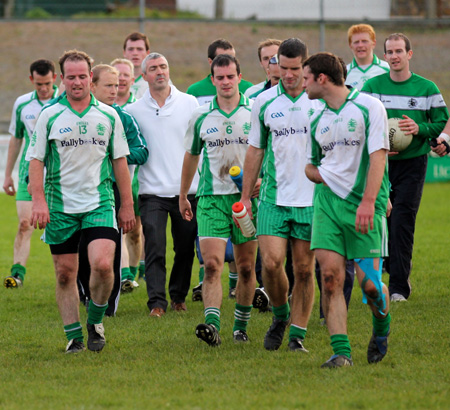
100	129
246	128
351	125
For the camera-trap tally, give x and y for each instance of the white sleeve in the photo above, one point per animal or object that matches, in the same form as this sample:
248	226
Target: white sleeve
254	137
38	144
378	128
120	144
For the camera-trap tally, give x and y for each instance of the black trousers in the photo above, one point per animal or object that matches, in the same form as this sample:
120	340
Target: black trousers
84	269
407	178
154	212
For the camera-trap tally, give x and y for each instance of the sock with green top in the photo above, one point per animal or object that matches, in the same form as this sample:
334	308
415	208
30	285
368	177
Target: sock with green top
297	332
241	317
142	269
96	312
125	274
212	317
74	331
18	270
341	345
381	326
134	271
281	312
232	279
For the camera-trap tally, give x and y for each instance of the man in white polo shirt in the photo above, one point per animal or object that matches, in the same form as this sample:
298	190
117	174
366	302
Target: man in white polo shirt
163	115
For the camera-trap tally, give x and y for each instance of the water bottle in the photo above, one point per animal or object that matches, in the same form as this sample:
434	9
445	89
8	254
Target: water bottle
236	175
243	219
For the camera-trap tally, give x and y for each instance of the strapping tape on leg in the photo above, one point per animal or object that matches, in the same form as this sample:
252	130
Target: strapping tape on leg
370	273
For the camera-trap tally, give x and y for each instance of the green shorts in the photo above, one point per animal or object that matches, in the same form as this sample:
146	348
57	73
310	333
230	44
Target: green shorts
215	220
135	190
63	225
22	192
285	221
334	228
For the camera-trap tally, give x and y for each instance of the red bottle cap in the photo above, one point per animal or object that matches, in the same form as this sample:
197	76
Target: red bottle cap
237	207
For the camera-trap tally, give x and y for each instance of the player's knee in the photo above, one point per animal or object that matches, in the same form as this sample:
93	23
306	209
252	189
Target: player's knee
272	265
371	290
65	276
103	267
331	282
212	267
134	237
303	273
25	226
245	270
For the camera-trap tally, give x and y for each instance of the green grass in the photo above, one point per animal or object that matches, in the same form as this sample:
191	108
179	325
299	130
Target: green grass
155	363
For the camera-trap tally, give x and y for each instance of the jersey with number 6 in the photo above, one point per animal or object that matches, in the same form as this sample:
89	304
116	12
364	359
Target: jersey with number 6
223	139
77	149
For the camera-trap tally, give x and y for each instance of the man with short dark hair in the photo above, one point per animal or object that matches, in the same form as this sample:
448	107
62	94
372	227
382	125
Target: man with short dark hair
347	162
23	120
421	107
204	90
220	130
280	124
135	48
81	141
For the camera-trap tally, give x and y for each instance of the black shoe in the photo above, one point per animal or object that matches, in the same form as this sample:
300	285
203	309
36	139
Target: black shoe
96	337
240	336
232	293
12	282
260	300
275	334
377	348
337	361
209	334
296	345
126	286
75	346
197	293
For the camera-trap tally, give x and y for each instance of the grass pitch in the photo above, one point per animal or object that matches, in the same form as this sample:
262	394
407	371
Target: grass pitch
155	363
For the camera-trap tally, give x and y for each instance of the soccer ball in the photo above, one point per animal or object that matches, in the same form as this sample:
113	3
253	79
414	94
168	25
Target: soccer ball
398	140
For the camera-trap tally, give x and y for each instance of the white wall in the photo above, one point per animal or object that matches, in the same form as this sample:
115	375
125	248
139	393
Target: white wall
293	9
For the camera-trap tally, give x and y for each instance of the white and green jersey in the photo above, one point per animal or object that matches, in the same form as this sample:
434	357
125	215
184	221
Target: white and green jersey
280	126
357	75
139	87
342	141
77	149
223	140
23	120
253	91
131	100
419	99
